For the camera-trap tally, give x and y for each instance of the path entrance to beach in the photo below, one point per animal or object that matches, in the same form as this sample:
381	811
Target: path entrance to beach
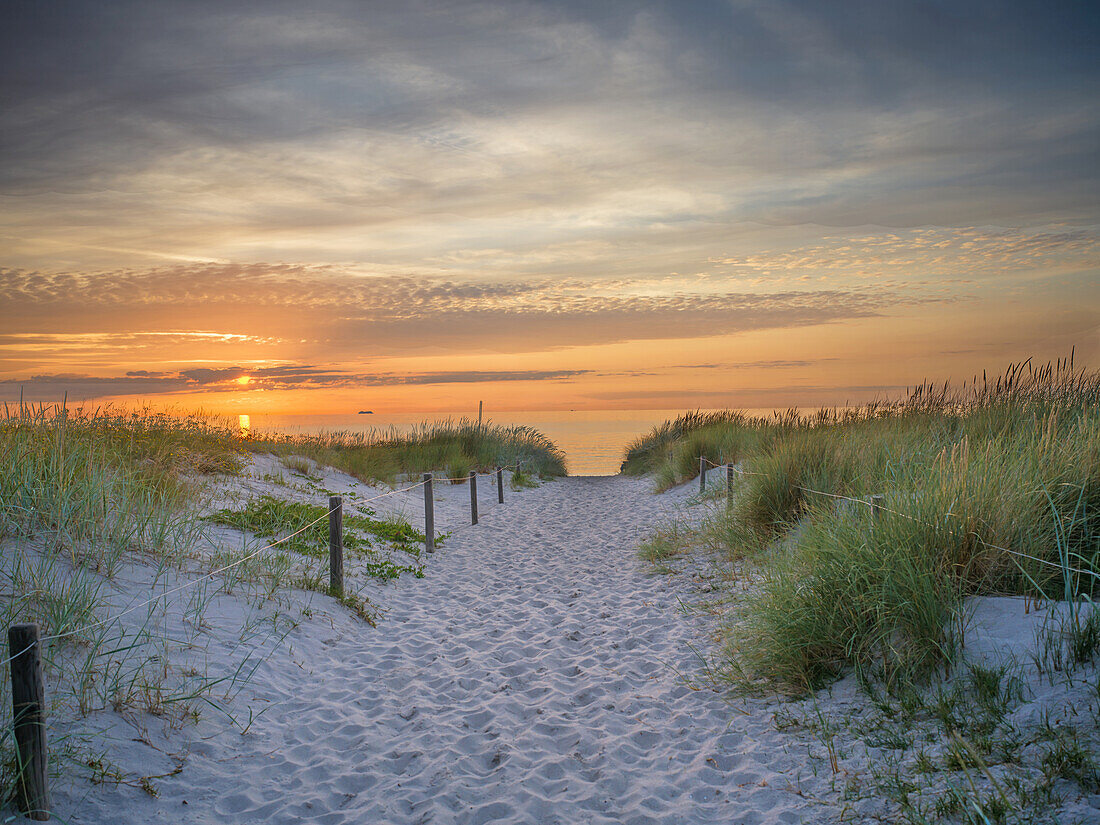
532	676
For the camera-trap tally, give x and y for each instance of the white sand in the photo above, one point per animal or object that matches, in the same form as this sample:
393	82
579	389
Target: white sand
531	676
535	675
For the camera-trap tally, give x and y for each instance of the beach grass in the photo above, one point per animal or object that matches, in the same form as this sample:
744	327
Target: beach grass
453	448
87	494
989	488
105	482
386	547
83	492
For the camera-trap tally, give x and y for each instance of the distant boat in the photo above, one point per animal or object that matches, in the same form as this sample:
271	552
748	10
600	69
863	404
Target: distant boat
366	412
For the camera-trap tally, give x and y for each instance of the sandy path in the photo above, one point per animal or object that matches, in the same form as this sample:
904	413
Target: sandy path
530	677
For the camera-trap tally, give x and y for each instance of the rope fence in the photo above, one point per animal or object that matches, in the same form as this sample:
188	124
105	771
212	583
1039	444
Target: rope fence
877	507
25	642
27	680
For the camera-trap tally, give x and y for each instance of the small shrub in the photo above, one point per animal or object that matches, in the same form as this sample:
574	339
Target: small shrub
522	480
278	520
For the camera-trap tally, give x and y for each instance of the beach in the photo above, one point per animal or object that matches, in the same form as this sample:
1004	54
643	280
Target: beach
539	672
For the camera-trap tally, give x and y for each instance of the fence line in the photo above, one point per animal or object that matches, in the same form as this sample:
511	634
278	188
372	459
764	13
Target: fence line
135	607
27	680
876	506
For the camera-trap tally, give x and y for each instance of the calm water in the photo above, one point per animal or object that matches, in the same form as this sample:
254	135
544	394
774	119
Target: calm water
593	440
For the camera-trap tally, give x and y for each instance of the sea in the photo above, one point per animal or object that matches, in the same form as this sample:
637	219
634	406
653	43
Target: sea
593	440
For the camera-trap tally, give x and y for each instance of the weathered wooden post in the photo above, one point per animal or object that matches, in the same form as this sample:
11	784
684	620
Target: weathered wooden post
729	483
500	485
702	475
429	514
473	497
336	545
876	506
28	699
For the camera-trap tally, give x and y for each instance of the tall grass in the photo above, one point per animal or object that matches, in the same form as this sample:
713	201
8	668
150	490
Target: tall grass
85	491
454	448
81	492
105	482
992	487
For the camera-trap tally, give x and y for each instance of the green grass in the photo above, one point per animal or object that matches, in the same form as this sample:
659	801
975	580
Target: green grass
86	492
993	488
373	542
104	483
452	448
83	492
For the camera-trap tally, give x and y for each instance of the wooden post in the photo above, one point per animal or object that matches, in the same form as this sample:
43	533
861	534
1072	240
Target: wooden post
500	485
28	698
336	545
876	506
479	403
429	515
729	482
473	497
702	475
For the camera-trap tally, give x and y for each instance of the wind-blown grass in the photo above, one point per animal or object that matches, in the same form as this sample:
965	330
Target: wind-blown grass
84	492
992	488
81	493
370	540
452	448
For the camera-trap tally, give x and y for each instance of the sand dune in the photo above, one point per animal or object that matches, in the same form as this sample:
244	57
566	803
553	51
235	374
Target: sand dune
533	675
538	673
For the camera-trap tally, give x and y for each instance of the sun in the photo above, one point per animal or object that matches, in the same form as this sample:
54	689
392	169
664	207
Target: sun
244	379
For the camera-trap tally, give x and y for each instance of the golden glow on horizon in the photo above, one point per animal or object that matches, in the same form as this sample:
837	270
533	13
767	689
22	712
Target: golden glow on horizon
245	423
243	380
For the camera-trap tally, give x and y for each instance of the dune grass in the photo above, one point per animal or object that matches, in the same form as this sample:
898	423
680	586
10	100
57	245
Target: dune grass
82	492
447	447
375	541
991	488
86	493
105	482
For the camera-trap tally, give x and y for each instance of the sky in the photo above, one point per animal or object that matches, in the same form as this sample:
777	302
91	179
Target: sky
327	206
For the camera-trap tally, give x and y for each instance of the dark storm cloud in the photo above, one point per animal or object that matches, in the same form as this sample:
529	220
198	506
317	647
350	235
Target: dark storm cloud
837	113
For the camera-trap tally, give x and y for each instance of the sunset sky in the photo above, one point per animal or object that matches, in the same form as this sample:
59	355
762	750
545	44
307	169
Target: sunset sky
328	206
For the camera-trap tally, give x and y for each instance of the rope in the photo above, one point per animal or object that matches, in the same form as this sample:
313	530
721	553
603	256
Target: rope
884	509
183	586
460	479
110	620
390	493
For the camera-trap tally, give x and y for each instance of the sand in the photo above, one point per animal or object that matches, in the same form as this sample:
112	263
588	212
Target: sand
533	675
538	673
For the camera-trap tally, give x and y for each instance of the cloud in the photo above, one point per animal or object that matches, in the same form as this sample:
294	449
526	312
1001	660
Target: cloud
335	313
49	387
739	365
393	132
928	253
341	182
796	393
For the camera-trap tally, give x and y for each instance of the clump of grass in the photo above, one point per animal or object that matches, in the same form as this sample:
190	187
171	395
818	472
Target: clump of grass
667	541
81	493
275	519
103	481
358	604
1070	759
297	464
992	488
1070	639
522	480
454	448
682	440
